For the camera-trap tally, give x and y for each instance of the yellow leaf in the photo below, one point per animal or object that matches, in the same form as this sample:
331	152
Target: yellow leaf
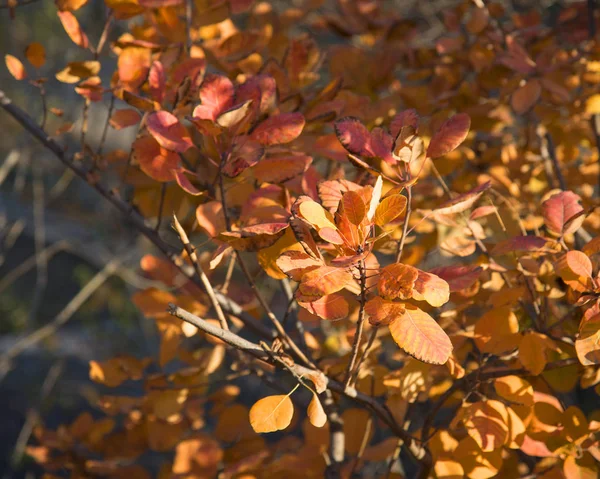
448	469
592	105
15	67
273	413
316	414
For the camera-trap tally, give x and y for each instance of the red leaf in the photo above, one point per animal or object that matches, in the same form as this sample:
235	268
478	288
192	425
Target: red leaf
216	96
159	3
170	134
354	136
402	119
519	243
458	277
450	135
559	210
421	336
279	129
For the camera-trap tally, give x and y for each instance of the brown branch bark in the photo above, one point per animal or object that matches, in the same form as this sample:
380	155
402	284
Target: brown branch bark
420	453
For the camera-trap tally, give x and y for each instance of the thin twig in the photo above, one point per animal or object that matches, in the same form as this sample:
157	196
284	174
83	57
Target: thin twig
200	272
359	325
405	225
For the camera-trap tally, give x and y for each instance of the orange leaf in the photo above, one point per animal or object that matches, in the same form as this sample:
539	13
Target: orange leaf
587	344
216	96
73	29
450	135
574	266
157	162
396	281
69	5
332	307
353	207
514	389
431	288
421	336
281	168
279	129
270	414
170	134
389	209
296	263
124	118
15	67
486	423
383	312
316	413
36	54
496	331
525	97
322	281
532	352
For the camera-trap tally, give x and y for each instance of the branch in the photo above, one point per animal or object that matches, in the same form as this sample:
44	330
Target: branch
420	453
228	305
200	272
359	325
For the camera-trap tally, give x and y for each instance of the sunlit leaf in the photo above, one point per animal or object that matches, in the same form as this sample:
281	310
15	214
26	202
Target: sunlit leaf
73	29
397	281
559	209
272	413
15	67
315	412
421	336
389	209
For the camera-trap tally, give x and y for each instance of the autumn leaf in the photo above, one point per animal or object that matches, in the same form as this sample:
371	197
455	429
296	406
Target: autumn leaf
36	54
353	207
532	352
281	168
390	208
272	413
315	412
559	210
279	129
73	29
431	288
323	281
449	136
587	344
15	67
157	162
332	307
526	96
421	336
383	312
124	118
458	277
216	96
168	131
396	281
